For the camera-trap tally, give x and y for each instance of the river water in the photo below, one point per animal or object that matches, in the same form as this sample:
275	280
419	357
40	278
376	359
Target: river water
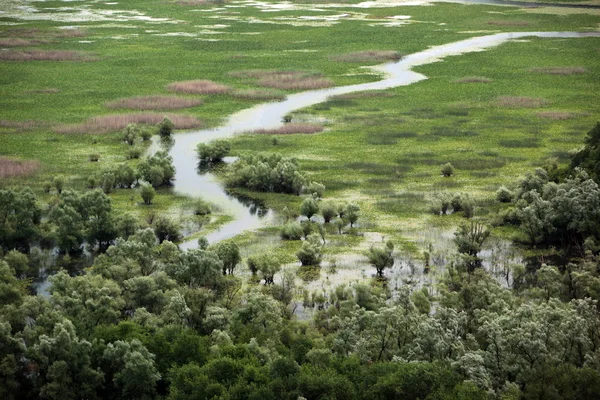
270	115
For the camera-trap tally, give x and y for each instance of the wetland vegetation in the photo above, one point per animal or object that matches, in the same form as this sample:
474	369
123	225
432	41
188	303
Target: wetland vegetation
434	235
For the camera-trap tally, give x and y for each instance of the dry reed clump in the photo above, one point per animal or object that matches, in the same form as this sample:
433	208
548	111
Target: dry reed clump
10	168
285	80
20	126
38	33
509	23
473	79
198	87
368	56
45	55
556	115
521	102
18	42
154	103
560	70
258	94
292	128
116	122
361	95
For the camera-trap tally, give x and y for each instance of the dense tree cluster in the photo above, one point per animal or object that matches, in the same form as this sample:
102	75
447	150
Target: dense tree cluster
269	173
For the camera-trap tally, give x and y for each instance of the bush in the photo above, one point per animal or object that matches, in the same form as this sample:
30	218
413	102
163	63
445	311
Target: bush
292	231
94	157
134	152
503	195
267	173
213	152
315	189
147	192
146	134
309	207
157	169
310	252
201	207
130	134
447	170
59	183
328	211
165	128
166	229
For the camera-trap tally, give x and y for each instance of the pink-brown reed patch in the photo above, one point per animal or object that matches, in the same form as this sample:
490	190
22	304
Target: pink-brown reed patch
45	55
556	115
21	126
368	56
18	42
285	80
560	70
116	122
154	103
199	87
258	94
473	79
521	102
509	23
292	128
10	168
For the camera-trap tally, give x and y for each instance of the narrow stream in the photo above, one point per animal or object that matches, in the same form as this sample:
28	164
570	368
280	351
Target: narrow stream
269	115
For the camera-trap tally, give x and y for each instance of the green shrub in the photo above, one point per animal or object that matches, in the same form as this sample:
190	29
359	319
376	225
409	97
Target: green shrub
147	192
447	170
503	195
292	231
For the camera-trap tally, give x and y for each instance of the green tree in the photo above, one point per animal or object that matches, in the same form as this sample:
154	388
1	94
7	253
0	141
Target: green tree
165	128
309	207
469	239
20	217
310	252
381	258
213	152
229	254
351	213
132	369
130	134
147	193
447	170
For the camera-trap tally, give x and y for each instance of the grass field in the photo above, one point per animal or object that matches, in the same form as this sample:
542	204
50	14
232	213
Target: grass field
493	115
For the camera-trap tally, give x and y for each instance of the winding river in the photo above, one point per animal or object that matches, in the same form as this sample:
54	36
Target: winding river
269	115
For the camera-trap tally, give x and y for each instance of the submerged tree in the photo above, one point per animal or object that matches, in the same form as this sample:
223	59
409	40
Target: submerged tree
381	258
469	239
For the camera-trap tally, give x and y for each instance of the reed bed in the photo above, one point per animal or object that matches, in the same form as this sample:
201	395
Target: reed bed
116	122
368	56
10	168
199	87
154	103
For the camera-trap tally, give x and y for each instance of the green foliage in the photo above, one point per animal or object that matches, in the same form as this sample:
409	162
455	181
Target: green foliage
166	229
267	173
447	170
20	217
381	258
267	265
469	239
157	169
165	128
503	195
213	152
309	207
147	193
292	231
310	252
229	254
130	134
588	158
328	211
